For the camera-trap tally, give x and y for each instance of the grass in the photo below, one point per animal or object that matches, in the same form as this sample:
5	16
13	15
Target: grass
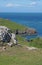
20	55
11	25
36	42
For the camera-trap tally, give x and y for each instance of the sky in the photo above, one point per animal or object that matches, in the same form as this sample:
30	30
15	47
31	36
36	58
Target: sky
20	5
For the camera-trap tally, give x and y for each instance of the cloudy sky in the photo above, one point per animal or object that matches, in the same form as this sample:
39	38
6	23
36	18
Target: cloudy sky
20	5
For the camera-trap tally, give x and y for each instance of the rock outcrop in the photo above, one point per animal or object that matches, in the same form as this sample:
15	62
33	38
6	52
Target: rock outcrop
30	31
6	36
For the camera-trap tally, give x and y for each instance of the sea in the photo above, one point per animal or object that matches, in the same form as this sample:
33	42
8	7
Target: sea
32	20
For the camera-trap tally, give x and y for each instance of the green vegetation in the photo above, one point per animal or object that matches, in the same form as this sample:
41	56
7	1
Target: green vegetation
21	55
36	42
11	25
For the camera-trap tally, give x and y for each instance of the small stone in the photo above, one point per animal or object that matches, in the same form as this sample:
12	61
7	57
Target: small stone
4	48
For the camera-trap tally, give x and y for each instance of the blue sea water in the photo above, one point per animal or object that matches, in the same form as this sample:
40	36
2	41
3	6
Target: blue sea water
33	20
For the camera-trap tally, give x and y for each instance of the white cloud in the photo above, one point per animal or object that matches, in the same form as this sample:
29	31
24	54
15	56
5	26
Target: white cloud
12	5
23	5
33	3
17	5
9	5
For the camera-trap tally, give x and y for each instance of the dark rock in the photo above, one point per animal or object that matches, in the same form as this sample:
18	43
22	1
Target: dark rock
6	38
16	32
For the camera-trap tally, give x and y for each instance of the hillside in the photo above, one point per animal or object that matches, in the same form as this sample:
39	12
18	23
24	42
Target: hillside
20	55
11	25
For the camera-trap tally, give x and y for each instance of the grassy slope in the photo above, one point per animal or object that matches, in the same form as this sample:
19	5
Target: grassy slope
20	55
14	26
35	43
11	25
